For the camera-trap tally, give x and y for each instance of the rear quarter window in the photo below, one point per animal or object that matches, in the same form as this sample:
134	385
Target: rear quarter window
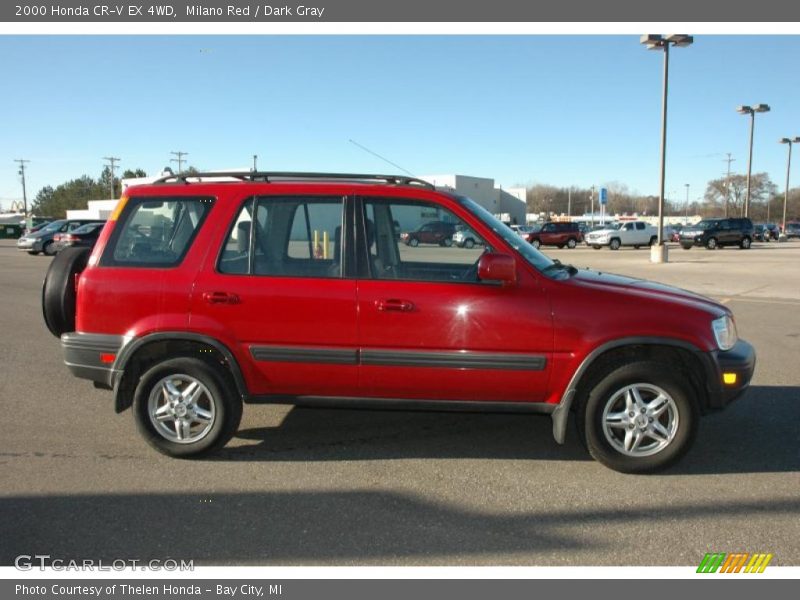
155	232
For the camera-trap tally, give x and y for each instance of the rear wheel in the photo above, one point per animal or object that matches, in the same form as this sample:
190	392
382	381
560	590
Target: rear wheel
49	249
185	408
640	418
58	290
686	246
32	252
615	244
596	247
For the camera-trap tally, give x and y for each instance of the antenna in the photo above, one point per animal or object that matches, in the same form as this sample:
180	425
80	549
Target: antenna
386	160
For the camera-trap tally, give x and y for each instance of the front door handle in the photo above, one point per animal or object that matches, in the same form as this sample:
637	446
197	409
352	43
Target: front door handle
395	305
220	298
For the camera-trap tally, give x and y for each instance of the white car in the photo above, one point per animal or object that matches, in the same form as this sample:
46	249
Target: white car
630	233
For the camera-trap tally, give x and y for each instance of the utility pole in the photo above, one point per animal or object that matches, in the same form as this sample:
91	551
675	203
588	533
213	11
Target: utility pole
569	202
591	200
255	158
687	201
22	162
179	160
729	160
111	166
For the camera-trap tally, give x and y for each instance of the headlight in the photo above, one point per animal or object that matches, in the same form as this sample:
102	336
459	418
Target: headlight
725	332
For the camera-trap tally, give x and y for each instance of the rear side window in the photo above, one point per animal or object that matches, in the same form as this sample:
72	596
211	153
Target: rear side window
289	237
155	232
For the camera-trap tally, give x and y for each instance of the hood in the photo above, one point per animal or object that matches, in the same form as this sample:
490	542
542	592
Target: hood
644	287
601	231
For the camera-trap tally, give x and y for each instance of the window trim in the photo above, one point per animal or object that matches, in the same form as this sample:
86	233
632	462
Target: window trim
107	258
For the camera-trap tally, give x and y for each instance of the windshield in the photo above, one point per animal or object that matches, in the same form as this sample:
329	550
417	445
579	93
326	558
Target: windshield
528	252
54	226
704	225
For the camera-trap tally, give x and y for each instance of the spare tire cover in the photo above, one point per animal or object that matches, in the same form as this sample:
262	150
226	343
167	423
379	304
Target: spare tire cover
58	290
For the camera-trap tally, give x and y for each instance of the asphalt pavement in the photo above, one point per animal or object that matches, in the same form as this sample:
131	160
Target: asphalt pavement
347	487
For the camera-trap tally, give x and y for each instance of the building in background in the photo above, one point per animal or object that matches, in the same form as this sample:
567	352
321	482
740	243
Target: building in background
507	204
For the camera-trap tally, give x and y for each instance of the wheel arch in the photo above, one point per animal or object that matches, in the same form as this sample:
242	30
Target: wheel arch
138	355
684	354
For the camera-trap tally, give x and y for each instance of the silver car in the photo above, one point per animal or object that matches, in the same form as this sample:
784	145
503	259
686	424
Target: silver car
42	240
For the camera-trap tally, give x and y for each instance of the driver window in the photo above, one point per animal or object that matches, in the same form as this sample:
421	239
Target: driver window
419	241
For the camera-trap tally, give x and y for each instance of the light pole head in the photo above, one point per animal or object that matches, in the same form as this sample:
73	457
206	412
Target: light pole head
796	140
653	41
761	108
744	110
785	141
679	40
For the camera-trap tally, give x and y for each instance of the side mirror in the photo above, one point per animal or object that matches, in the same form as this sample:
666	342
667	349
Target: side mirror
497	267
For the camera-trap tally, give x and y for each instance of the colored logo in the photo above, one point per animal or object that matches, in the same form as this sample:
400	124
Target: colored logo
741	562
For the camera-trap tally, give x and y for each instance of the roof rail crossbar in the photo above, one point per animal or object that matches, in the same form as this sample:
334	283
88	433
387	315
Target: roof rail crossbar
271	176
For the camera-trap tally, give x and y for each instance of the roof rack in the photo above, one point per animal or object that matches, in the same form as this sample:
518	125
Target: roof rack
271	176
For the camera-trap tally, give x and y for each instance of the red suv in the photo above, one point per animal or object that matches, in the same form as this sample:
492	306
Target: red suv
557	234
204	293
432	232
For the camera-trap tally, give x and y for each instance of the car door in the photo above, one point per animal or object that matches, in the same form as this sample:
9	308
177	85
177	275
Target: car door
429	330
277	288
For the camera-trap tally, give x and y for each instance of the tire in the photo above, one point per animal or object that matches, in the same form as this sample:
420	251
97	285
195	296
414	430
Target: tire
745	243
221	403
608	444
596	247
653	240
469	243
571	243
560	246
686	246
32	252
536	244
447	242
49	249
614	244
636	247
58	289
711	243
413	242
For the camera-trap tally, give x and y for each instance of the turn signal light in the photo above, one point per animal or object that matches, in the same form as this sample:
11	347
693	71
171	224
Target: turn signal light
729	378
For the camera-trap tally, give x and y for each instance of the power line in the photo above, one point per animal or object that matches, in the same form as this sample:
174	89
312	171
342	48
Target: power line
179	160
22	162
112	160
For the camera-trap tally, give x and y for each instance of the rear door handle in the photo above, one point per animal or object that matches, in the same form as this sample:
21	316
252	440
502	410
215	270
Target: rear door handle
395	305
220	298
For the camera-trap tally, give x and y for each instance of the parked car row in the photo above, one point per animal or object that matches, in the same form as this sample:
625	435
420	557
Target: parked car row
709	233
50	238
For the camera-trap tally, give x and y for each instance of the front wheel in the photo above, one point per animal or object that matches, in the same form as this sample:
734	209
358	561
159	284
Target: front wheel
711	244
536	244
413	242
614	244
447	242
185	408
640	418
469	243
596	247
745	243
653	240
571	243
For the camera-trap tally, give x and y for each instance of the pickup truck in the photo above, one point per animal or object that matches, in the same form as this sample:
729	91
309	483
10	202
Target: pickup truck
630	233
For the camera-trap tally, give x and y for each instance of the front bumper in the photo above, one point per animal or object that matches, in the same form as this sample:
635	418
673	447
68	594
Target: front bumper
29	246
739	361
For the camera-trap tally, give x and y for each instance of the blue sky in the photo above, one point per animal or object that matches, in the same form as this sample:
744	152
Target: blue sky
565	110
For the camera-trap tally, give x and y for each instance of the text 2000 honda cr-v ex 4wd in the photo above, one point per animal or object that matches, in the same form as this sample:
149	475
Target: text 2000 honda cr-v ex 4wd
204	293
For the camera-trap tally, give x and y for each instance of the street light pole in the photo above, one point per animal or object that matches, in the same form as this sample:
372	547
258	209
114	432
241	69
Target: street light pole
22	162
750	110
782	236
659	42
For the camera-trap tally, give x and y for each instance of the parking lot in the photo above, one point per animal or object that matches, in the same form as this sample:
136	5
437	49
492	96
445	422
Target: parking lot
346	487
